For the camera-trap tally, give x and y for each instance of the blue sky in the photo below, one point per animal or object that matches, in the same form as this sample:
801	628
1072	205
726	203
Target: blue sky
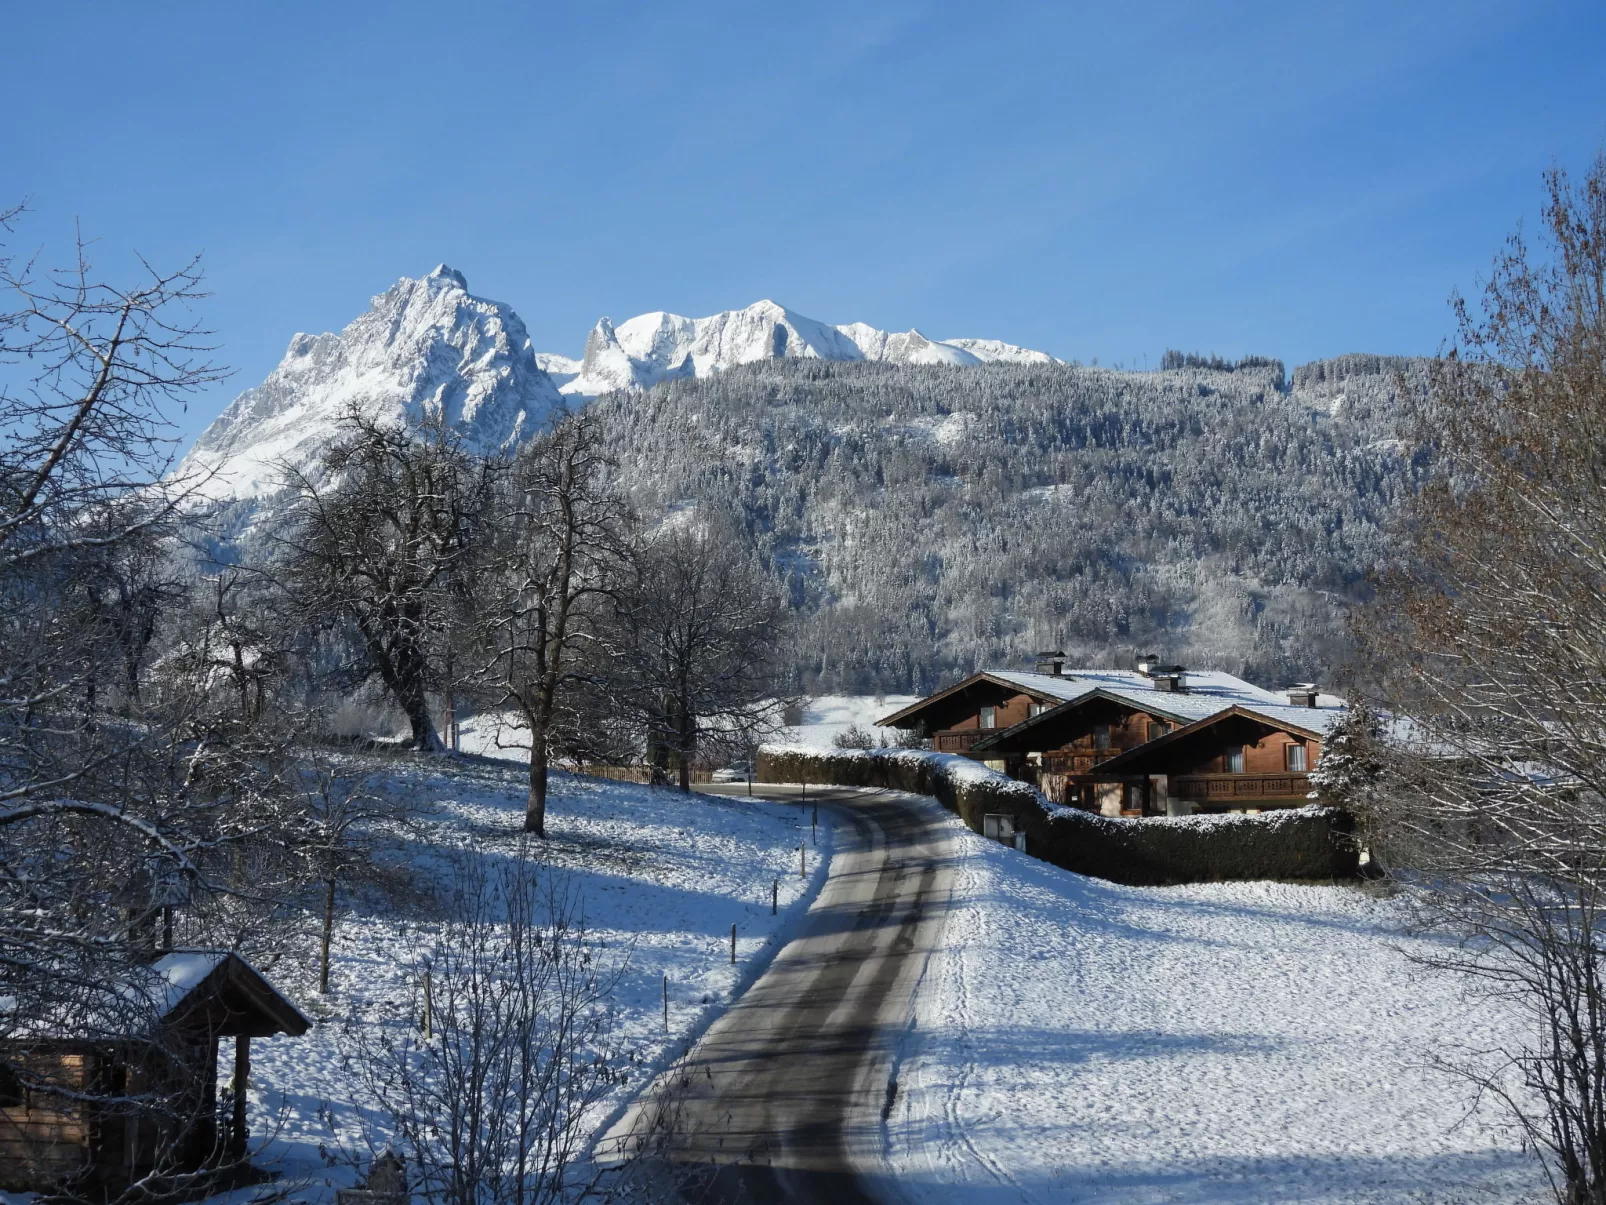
1294	180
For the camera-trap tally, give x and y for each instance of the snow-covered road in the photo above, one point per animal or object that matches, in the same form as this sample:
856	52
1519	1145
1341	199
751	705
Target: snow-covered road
788	1090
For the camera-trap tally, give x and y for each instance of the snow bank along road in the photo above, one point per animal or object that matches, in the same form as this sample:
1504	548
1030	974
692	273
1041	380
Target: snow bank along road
788	1091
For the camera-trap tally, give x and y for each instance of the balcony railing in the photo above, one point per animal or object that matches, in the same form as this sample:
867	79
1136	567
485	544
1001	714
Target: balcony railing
959	741
1215	788
1076	763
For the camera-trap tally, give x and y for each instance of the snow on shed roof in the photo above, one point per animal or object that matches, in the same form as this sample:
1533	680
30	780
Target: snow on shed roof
147	996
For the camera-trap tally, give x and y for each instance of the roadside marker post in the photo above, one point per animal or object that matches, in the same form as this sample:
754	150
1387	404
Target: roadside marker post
775	897
802	863
666	1003
733	943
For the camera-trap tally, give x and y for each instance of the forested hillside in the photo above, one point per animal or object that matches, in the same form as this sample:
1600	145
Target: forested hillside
930	519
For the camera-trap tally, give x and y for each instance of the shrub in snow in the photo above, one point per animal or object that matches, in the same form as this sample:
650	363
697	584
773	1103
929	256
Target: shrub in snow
854	736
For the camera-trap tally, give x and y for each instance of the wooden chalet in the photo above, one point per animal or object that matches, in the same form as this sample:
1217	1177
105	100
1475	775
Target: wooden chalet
1063	730
100	1106
1245	758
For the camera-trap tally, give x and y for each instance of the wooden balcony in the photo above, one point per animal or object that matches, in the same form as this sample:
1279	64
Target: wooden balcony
959	740
1231	788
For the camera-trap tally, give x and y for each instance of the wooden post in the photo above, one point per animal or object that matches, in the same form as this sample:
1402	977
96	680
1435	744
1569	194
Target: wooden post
733	943
429	1010
802	863
242	1080
814	826
666	1003
775	897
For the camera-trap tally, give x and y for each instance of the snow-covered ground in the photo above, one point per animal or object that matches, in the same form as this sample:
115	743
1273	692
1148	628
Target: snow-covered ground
1230	1043
662	878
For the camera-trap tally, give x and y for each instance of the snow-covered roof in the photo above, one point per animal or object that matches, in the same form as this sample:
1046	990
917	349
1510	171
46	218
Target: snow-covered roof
1320	720
176	975
1206	693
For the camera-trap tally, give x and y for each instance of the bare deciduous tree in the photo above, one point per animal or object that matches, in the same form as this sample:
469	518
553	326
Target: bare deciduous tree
1491	641
702	630
383	540
488	1098
561	549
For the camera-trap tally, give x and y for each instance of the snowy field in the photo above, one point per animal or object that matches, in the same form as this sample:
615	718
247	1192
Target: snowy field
1227	1044
662	878
824	716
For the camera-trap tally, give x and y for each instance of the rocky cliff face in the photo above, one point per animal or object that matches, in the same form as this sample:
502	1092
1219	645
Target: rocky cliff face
425	348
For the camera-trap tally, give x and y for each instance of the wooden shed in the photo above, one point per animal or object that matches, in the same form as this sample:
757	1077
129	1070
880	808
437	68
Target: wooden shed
99	1104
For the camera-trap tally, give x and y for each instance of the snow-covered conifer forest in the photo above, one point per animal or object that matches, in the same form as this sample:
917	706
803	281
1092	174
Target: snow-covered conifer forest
929	520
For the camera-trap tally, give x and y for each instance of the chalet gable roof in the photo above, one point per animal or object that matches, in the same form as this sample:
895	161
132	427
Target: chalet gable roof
1310	722
1208	692
1044	688
1182	708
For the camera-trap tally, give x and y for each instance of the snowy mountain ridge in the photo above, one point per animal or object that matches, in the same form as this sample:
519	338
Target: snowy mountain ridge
658	346
429	348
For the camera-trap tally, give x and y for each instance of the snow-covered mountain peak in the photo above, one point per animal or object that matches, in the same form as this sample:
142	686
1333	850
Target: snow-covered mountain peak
661	346
450	275
425	348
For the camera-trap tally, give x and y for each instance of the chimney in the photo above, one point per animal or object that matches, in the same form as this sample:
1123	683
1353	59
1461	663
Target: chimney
1173	679
1302	694
1051	662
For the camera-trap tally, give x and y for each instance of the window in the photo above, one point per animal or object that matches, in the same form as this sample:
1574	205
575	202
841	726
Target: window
1101	737
989	717
1037	709
12	1092
1234	760
1294	757
1157	729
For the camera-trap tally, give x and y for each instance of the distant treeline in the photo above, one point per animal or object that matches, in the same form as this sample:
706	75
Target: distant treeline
1174	359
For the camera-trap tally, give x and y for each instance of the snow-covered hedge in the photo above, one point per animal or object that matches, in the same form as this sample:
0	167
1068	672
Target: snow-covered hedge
1294	843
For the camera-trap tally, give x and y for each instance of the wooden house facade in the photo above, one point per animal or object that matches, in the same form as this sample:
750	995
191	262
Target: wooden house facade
96	1108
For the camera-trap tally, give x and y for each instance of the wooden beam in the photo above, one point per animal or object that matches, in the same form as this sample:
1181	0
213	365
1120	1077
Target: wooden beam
242	1079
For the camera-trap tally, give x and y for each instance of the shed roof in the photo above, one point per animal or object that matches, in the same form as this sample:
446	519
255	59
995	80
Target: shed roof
214	990
233	996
